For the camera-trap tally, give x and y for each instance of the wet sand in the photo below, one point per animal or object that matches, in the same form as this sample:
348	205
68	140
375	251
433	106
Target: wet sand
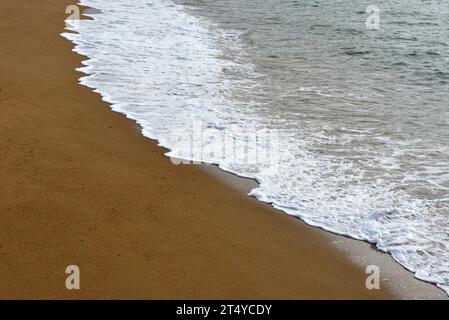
80	185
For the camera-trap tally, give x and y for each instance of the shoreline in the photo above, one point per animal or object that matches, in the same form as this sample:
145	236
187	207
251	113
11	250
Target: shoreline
84	187
400	281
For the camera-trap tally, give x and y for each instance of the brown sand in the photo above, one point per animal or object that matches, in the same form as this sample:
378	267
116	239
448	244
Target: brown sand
80	185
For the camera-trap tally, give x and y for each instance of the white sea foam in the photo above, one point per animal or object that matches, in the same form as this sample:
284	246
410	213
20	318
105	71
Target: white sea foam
166	69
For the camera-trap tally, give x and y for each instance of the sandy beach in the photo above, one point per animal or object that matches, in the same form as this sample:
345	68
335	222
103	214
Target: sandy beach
81	186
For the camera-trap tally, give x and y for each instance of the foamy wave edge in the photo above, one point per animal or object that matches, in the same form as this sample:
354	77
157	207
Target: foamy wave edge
146	132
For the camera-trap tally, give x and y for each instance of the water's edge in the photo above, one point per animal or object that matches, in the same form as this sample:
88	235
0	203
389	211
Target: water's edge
225	169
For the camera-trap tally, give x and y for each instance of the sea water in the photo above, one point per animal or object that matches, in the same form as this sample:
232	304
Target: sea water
354	121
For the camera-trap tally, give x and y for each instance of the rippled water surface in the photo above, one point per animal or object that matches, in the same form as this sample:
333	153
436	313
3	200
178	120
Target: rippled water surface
362	115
